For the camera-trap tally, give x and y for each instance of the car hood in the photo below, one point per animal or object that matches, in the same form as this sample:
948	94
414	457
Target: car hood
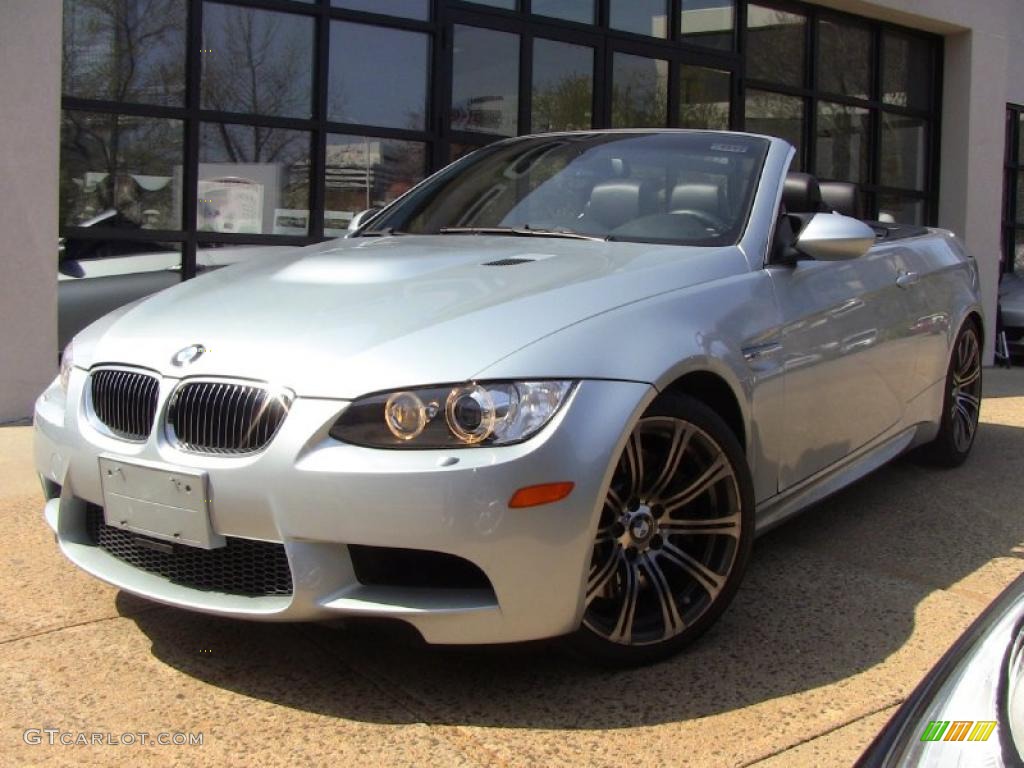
344	318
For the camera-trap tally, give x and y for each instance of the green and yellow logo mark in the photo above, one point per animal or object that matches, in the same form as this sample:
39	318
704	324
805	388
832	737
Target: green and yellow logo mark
958	730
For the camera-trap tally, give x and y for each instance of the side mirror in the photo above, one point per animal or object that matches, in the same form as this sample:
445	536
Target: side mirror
361	218
832	237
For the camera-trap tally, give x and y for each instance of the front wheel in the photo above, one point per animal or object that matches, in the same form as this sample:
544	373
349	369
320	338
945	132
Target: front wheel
961	408
674	537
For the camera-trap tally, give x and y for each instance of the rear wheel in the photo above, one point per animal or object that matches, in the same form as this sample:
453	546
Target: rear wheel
962	402
674	537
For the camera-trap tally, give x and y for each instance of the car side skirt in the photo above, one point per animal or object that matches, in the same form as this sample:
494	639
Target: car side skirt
876	454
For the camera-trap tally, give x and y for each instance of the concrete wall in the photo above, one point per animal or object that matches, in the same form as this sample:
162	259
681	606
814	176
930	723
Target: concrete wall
30	44
984	70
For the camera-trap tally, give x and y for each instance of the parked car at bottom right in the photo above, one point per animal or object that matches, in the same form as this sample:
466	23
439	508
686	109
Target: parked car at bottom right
969	710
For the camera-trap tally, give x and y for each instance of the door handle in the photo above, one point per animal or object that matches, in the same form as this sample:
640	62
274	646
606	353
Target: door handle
907	279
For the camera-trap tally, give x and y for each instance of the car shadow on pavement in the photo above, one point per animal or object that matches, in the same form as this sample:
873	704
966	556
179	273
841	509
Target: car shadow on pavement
830	594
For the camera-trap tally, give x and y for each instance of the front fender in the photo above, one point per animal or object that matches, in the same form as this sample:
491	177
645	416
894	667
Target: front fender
658	340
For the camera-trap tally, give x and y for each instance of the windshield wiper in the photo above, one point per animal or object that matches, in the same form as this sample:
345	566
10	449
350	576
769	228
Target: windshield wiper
523	231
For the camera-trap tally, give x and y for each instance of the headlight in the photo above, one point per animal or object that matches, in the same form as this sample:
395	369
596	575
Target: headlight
67	362
452	416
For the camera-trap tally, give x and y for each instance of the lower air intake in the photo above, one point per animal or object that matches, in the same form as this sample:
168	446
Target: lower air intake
242	567
393	567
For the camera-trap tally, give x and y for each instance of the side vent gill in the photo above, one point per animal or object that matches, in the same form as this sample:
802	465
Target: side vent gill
506	262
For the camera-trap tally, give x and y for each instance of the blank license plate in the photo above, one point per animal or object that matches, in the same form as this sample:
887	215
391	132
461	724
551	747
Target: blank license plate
172	505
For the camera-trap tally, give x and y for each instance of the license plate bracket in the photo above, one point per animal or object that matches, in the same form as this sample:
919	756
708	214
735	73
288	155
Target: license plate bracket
154	500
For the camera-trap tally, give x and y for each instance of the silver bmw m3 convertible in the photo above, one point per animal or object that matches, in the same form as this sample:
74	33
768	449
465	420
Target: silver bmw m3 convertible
555	389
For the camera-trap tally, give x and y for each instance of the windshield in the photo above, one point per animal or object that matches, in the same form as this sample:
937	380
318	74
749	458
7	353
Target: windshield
683	188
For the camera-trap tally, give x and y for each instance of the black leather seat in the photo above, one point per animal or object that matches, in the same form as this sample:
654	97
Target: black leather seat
801	199
706	198
618	201
802	194
842	197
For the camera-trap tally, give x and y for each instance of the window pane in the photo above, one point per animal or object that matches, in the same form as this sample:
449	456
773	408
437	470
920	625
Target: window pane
122	168
253	180
639	92
365	172
125	50
257	61
413	9
906	71
709	22
1018	252
365	87
776	115
775	45
844	59
897	209
904	144
704	98
644	17
508	4
843	146
563	86
572	10
485	81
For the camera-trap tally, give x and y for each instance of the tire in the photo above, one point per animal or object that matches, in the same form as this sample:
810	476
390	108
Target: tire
674	538
961	403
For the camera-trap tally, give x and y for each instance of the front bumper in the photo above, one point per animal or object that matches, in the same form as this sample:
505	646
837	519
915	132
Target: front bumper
317	496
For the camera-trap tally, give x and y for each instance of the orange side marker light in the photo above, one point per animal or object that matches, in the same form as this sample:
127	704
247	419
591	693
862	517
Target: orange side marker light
536	495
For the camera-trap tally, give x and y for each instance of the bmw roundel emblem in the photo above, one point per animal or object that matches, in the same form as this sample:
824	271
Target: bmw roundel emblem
188	355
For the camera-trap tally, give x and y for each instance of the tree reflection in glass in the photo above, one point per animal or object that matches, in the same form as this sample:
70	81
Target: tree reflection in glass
563	86
845	53
639	92
776	114
124	50
907	77
843	142
775	45
704	98
257	62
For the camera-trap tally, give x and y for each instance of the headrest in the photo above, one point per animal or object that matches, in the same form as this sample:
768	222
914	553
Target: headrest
613	168
801	193
699	197
613	203
842	197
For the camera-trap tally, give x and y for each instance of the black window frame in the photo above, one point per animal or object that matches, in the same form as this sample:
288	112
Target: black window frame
436	134
871	189
1013	167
